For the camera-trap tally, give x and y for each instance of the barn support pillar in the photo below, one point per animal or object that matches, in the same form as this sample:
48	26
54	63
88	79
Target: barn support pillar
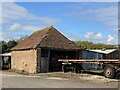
48	60
38	59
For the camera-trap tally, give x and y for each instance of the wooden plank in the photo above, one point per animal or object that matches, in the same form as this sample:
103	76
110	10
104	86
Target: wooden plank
44	64
81	60
38	59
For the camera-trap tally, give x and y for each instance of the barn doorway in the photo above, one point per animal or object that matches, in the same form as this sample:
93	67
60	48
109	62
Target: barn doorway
44	66
49	59
54	65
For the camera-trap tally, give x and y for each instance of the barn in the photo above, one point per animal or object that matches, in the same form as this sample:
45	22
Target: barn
40	51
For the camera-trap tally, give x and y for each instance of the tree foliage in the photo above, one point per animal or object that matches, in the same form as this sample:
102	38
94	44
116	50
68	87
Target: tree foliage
11	44
3	46
91	45
7	46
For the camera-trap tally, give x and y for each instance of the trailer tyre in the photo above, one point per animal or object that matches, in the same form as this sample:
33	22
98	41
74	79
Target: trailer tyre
109	71
78	69
64	68
117	75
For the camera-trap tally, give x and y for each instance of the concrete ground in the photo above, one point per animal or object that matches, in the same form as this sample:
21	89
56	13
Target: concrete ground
56	80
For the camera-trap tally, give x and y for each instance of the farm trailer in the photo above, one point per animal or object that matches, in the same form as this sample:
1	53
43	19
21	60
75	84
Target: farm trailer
109	67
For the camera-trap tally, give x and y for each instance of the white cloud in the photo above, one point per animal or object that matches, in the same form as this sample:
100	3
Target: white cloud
49	20
60	0
90	36
0	36
13	12
20	27
15	26
98	36
10	36
8	0
31	28
13	35
71	36
112	40
0	13
107	15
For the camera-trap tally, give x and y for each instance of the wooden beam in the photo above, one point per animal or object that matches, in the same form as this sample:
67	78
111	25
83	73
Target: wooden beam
92	60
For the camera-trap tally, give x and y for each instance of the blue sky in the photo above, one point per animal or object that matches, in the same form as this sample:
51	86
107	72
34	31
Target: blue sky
90	21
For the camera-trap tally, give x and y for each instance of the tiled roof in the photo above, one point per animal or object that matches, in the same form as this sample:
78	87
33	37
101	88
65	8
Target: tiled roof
46	38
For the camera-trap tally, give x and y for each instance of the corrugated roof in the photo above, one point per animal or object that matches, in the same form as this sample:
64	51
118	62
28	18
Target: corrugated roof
5	54
47	38
107	51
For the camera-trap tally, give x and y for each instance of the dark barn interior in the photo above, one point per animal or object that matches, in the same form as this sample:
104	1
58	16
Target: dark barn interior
53	56
5	62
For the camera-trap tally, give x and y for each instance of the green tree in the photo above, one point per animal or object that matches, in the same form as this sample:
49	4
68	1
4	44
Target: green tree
91	45
11	44
3	46
7	46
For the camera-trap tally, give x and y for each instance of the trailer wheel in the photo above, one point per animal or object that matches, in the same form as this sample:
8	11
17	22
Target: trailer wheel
64	68
109	71
117	75
77	68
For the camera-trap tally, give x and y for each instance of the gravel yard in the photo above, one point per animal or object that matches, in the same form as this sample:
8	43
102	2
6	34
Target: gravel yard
75	76
70	75
57	80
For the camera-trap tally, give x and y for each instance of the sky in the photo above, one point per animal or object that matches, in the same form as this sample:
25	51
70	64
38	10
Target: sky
91	21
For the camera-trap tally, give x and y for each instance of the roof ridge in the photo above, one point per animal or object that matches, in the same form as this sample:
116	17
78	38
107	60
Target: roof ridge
49	28
42	29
